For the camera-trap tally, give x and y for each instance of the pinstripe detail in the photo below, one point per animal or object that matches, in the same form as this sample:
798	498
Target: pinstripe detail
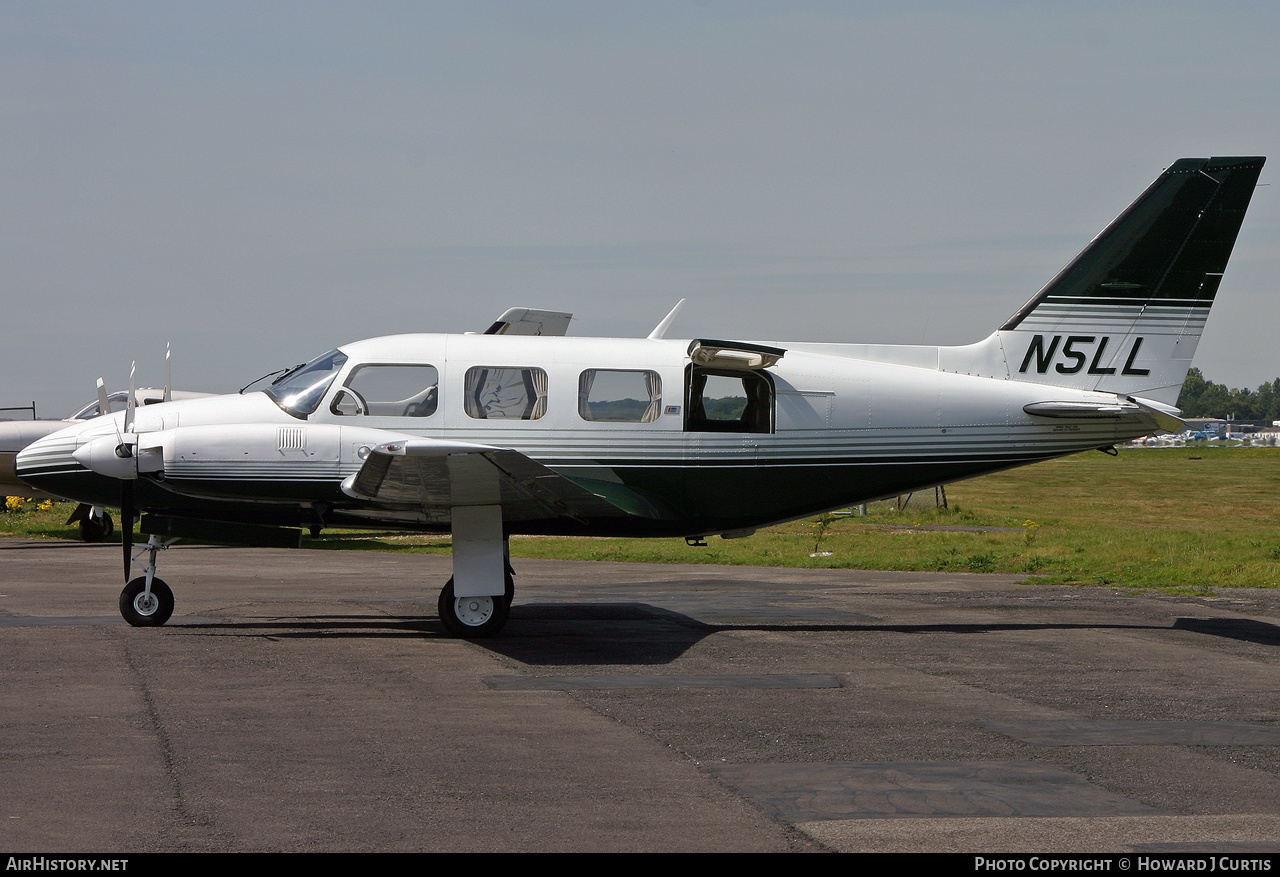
284	470
590	449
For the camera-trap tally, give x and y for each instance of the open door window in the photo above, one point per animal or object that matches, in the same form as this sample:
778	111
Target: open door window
727	389
726	400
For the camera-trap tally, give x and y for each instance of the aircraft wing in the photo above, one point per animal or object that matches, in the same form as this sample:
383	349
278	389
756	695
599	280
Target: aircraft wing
435	474
530	321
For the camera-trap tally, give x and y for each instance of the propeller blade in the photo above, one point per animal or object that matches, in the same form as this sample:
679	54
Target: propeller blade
168	373
127	513
104	404
131	402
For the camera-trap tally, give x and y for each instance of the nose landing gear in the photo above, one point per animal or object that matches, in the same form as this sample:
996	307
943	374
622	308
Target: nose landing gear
144	606
147	601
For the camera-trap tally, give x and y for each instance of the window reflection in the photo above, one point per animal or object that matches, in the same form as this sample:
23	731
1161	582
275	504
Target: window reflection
299	391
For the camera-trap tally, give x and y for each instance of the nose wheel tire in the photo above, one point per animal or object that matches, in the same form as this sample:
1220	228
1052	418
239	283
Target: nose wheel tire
146	610
474	617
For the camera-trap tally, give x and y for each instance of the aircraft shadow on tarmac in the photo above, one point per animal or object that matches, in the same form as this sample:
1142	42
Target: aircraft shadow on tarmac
546	633
1248	630
569	634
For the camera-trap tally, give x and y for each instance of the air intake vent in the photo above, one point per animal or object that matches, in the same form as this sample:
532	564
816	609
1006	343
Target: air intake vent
292	438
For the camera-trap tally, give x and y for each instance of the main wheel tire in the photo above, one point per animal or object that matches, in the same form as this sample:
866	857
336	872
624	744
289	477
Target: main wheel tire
474	617
143	610
96	529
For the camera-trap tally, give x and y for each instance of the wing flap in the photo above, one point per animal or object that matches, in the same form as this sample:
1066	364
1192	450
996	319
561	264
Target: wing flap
440	475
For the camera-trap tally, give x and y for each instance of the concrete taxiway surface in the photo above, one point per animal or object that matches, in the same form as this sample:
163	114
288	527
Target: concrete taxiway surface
309	700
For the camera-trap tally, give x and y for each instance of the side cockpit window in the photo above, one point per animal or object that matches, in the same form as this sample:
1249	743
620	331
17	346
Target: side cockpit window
723	400
299	390
386	390
619	395
503	393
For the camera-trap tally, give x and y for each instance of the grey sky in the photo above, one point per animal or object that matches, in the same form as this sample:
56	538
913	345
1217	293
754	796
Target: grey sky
256	183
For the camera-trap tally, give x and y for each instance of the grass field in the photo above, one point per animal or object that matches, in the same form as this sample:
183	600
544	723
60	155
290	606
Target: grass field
1185	519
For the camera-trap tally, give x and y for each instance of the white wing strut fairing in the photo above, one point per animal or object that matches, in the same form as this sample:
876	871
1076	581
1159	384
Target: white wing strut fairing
526	430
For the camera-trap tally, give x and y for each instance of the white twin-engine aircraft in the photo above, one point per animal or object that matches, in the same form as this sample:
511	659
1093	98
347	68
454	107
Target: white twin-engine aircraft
522	430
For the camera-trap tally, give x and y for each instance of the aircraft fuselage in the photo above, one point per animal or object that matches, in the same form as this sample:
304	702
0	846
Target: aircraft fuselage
827	430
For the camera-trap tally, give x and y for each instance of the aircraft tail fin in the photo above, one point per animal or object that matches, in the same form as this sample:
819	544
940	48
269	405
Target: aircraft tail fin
1126	314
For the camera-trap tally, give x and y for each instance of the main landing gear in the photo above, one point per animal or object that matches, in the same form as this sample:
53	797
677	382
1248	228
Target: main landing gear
477	599
475	617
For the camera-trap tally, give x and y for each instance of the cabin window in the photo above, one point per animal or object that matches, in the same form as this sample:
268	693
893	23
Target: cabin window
497	393
619	396
724	400
385	390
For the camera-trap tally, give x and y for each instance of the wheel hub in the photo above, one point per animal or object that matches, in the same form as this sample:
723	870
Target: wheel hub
473	611
146	603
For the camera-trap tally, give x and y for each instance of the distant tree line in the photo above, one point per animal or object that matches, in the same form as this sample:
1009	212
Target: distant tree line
1201	398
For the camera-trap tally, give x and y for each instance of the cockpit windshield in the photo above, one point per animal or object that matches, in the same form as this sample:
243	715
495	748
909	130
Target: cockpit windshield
300	390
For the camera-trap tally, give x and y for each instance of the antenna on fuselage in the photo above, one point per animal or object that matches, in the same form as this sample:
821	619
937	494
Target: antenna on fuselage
661	329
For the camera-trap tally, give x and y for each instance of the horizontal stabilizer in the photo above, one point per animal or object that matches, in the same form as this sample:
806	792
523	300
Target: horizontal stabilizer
1165	416
1158	414
1076	410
